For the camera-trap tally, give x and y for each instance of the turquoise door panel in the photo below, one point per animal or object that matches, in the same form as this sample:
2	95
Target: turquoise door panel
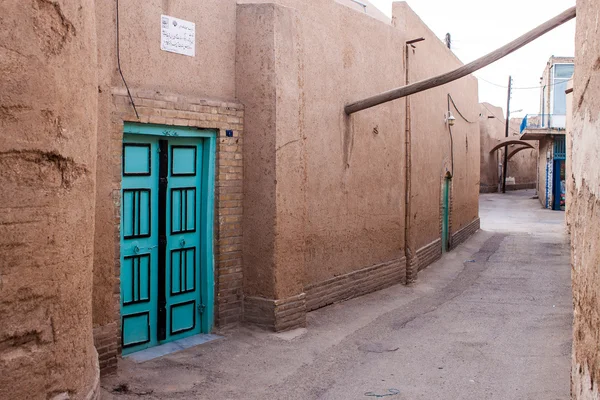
139	243
167	283
184	303
445	214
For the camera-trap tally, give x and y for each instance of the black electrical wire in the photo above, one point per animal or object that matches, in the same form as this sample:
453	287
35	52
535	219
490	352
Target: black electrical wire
499	119
119	65
451	149
450	99
451	137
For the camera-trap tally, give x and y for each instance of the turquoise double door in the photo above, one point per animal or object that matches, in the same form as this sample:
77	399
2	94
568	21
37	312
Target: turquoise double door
166	235
446	214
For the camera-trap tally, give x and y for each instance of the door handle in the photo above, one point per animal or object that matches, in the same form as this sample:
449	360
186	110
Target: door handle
137	249
182	242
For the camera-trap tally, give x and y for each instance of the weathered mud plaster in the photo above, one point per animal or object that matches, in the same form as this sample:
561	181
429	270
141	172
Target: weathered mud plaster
331	185
47	181
583	386
570	181
585	204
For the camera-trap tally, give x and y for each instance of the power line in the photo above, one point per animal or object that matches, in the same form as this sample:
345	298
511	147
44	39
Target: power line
520	88
500	118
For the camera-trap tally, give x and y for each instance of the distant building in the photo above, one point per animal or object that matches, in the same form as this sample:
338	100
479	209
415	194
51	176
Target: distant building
548	127
522	155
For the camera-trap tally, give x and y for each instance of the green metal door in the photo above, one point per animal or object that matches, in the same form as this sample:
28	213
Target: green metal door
166	235
445	214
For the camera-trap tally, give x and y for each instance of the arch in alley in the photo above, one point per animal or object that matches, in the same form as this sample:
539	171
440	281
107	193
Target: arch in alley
511	141
515	151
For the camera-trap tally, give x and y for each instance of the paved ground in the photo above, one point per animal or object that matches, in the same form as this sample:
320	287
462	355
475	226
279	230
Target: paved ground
491	320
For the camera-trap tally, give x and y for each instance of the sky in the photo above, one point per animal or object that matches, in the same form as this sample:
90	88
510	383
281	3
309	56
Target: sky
478	27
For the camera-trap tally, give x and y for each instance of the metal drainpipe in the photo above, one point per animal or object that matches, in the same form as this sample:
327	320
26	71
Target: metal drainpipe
409	252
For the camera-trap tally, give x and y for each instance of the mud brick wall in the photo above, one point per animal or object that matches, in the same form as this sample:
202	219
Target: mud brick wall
585	204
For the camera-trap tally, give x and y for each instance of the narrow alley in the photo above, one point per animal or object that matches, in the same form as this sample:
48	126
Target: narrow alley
491	320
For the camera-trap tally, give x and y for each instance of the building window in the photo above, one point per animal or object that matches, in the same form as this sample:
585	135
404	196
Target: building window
562	74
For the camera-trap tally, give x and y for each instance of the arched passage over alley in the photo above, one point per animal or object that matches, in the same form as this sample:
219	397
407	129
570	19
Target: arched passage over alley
518	150
511	141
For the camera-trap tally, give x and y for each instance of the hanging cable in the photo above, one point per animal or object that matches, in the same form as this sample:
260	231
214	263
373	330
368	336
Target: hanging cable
499	119
451	137
450	99
518	88
119	64
451	150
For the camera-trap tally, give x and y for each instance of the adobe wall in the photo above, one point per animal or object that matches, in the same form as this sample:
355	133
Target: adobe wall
432	148
168	89
320	211
491	133
522	167
256	88
569	179
333	184
585	228
370	10
47	176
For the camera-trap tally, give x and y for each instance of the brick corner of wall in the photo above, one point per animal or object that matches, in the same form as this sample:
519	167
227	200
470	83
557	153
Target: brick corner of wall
276	315
106	341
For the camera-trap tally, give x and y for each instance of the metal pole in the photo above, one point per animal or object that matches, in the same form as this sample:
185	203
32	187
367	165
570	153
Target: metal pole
505	164
411	270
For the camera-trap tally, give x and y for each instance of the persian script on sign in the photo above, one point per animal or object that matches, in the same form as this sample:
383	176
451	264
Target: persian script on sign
178	36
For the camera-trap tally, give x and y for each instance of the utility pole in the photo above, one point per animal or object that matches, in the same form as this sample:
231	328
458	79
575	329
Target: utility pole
505	164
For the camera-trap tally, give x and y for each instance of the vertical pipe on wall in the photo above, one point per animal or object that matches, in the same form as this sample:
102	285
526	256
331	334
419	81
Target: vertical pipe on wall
409	250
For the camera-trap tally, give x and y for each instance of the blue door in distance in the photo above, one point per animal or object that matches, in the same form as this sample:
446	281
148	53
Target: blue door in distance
559	182
164	245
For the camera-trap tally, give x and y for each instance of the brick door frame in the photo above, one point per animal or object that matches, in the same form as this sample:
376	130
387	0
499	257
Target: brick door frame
227	119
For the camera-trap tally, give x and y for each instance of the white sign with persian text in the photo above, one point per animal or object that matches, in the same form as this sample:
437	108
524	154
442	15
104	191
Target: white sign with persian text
178	36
